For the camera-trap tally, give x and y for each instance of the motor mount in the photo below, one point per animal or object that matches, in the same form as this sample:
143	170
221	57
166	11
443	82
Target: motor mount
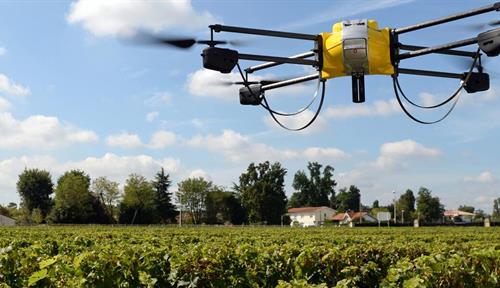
219	59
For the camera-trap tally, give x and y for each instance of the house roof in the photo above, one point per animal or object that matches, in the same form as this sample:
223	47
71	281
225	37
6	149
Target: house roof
352	215
306	209
455	213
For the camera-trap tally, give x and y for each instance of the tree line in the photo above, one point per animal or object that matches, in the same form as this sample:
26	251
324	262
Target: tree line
257	197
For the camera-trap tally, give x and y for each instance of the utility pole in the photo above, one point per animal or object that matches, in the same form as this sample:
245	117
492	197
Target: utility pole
394	197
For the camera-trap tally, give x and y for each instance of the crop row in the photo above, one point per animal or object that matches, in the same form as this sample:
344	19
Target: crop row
249	257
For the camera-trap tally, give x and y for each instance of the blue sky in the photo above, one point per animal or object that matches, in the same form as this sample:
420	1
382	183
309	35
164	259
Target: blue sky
72	95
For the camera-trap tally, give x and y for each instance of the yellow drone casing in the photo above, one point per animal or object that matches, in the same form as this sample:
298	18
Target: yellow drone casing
337	51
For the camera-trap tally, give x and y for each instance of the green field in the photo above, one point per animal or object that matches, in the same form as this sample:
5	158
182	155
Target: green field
100	256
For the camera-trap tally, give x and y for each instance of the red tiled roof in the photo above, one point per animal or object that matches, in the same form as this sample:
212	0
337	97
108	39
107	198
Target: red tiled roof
352	215
305	209
455	213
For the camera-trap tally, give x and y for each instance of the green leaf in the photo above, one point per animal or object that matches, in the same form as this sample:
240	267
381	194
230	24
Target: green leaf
37	276
48	262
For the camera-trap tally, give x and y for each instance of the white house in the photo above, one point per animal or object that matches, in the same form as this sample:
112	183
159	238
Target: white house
310	216
459	216
348	217
6	221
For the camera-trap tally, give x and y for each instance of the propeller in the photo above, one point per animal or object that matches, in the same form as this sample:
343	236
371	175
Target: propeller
261	82
147	38
481	26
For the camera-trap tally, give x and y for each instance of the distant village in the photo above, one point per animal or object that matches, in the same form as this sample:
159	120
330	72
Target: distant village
257	198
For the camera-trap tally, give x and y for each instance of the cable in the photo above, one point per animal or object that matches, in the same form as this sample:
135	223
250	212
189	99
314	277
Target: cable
454	95
273	113
267	107
306	125
447	100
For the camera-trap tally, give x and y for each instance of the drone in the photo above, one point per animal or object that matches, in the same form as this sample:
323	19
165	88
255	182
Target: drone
354	48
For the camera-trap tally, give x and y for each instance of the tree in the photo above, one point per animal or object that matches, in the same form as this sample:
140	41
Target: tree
223	206
375	204
74	203
262	192
192	194
496	209
315	190
165	210
348	199
429	208
138	203
406	202
108	192
35	187
466	208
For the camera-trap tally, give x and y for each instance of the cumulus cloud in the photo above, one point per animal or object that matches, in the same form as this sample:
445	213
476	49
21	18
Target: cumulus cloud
484	177
378	108
395	154
152	116
124	17
115	167
209	83
239	148
159	140
298	121
4	104
197	173
39	131
321	154
10	87
2	51
124	140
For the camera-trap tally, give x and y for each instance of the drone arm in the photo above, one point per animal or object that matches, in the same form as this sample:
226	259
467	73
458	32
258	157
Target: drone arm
436	49
486	9
272	33
277	60
290	82
430	73
446	52
273	64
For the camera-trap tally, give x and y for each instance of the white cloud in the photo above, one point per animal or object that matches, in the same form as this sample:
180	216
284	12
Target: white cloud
124	140
117	168
484	177
209	83
298	121
158	99
239	148
39	131
10	87
161	139
152	116
2	51
395	154
197	173
124	17
4	104
320	154
378	108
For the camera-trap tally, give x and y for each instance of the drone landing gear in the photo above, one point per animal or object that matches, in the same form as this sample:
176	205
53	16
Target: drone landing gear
358	87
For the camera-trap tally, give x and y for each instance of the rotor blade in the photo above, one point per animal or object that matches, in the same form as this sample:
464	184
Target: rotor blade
262	82
494	23
146	38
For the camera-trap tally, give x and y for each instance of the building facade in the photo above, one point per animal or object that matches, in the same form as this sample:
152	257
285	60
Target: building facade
310	216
